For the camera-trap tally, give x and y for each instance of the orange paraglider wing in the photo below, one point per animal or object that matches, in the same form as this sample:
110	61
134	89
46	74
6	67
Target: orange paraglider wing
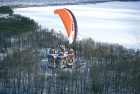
69	22
74	26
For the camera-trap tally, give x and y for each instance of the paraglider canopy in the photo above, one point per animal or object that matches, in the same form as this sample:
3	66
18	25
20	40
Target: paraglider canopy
69	22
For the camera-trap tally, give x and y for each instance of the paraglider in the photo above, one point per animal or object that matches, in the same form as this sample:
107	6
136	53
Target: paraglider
69	22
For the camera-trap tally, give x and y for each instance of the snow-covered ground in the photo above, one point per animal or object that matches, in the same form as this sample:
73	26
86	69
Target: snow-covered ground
113	22
2	56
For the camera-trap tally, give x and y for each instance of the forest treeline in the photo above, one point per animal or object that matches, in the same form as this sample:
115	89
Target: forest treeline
126	0
23	3
20	3
103	68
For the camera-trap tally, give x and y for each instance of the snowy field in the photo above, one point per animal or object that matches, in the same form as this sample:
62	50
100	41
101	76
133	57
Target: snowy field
113	22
